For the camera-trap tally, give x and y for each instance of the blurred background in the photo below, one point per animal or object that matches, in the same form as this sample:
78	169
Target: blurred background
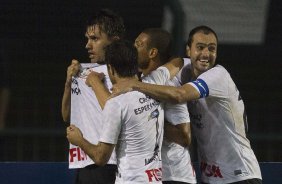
39	38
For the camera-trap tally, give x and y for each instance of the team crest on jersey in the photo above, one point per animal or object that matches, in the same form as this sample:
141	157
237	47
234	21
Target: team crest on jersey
84	73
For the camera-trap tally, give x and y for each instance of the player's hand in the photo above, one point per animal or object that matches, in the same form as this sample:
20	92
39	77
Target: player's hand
74	135
94	77
72	70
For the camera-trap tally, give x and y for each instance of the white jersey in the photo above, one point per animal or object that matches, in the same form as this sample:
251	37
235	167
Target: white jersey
86	114
177	165
134	122
219	123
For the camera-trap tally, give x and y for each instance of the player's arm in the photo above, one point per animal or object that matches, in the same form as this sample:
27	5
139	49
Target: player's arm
99	153
66	100
180	134
163	93
94	80
174	66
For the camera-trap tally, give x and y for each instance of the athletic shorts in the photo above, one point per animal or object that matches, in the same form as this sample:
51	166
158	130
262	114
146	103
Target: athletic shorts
93	174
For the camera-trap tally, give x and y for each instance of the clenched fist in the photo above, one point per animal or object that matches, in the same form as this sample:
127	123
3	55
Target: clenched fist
72	70
74	135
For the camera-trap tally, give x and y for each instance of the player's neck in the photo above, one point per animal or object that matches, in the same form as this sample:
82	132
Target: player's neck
124	79
99	62
195	74
153	65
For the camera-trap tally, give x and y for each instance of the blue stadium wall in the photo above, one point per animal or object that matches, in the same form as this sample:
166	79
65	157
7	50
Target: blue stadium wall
58	173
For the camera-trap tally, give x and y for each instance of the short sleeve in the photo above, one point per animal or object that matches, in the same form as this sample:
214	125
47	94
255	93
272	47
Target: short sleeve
112	122
213	82
176	113
158	76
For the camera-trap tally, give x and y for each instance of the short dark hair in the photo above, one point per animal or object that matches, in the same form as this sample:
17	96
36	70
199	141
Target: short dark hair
109	22
203	29
161	40
122	56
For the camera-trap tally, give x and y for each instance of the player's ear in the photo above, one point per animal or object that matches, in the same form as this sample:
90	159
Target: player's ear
115	38
110	69
153	52
188	51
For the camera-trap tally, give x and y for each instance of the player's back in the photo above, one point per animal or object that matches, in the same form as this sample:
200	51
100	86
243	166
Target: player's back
140	139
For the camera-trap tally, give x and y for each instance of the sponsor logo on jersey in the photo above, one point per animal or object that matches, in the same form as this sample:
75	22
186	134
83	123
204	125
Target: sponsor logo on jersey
154	114
154	174
77	154
210	170
74	87
238	172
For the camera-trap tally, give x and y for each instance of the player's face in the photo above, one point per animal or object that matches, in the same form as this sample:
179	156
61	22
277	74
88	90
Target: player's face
143	52
97	40
202	52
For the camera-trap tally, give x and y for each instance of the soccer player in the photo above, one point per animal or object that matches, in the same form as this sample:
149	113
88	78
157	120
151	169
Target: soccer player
79	103
153	46
217	112
132	124
154	49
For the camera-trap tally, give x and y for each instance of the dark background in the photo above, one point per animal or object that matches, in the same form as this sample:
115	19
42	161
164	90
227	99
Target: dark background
39	39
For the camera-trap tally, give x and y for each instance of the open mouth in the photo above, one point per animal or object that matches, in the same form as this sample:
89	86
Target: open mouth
204	60
91	55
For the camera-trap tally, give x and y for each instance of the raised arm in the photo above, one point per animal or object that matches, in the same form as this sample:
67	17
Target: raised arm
94	80
99	153
171	94
174	66
66	100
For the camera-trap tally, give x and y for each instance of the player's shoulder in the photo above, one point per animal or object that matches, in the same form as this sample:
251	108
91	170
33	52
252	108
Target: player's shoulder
187	62
173	82
219	68
217	71
126	97
161	69
158	76
185	73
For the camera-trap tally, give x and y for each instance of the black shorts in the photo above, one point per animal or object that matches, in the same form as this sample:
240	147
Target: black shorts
249	181
93	174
